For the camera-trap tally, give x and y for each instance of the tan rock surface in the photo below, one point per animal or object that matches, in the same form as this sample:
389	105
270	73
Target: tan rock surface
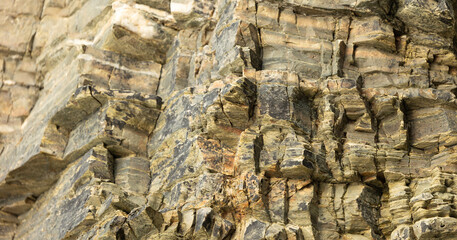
228	119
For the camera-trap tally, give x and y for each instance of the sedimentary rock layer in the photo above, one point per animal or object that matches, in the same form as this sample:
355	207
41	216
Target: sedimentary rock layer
228	119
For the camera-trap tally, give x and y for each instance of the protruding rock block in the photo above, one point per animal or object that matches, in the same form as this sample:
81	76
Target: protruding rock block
254	229
204	220
429	16
233	112
111	71
372	32
73	197
130	32
277	198
359	158
372	60
444	227
353	105
298	162
191	13
392	130
399	202
17	205
366	199
431	127
364	6
116	121
222	228
276	232
301	203
132	174
144	221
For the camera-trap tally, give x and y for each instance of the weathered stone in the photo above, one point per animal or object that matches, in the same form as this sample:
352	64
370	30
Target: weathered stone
372	32
17	205
144	222
115	196
403	232
132	174
204	220
17	32
216	157
7	230
113	123
424	134
254	229
301	204
191	13
276	232
365	199
236	43
297	119
294	232
369	60
108	70
428	228
273	101
298	162
233	112
222	229
187	220
130	32
428	16
302	55
73	198
277	200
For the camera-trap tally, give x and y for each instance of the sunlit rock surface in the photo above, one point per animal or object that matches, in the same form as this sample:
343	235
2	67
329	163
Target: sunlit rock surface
228	119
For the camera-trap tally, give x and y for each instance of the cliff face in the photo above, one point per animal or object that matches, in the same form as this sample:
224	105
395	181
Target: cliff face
228	119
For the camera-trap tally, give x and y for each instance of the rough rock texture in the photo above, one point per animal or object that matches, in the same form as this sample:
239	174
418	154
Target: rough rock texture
228	119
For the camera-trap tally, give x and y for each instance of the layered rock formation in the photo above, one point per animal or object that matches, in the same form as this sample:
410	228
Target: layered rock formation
228	119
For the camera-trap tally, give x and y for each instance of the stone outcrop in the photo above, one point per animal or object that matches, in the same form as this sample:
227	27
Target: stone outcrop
228	119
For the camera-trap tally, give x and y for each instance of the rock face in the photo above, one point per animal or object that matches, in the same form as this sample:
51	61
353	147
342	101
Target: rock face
228	119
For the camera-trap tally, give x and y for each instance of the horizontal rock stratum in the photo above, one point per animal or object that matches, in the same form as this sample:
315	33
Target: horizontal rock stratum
228	119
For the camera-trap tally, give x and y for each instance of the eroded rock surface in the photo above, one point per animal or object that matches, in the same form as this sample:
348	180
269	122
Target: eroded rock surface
228	119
